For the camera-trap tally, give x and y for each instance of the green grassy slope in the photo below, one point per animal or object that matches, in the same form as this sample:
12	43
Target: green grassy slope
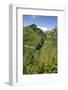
40	51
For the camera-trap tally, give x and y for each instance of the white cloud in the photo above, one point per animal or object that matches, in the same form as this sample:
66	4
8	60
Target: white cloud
33	17
44	28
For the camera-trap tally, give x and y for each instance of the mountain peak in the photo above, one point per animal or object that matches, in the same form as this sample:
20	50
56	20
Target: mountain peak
33	26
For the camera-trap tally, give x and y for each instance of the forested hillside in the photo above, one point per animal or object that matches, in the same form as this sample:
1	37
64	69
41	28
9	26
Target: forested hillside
40	50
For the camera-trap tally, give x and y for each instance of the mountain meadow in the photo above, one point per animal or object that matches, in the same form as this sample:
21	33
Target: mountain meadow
39	50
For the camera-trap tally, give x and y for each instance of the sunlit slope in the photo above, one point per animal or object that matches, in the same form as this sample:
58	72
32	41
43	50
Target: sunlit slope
31	38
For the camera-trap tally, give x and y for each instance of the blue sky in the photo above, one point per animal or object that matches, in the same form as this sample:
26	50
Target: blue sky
43	22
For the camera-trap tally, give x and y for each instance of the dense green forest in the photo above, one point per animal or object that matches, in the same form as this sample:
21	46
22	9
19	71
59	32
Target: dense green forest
40	50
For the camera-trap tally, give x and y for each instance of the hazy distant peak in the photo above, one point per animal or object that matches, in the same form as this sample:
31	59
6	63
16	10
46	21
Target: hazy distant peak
43	29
